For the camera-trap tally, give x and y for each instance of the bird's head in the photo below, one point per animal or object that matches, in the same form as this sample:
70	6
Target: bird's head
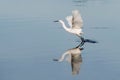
59	21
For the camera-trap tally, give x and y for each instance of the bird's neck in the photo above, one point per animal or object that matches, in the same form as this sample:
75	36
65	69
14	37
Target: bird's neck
64	26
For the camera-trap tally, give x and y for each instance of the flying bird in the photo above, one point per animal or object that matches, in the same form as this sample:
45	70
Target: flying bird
75	23
75	26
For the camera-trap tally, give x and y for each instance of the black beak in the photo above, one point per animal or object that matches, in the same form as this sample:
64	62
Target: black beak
56	21
55	60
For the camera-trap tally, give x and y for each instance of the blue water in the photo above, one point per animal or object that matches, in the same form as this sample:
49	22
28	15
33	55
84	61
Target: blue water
30	40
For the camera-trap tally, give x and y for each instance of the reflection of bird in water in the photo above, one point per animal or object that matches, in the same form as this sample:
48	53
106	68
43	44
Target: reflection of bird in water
75	22
73	56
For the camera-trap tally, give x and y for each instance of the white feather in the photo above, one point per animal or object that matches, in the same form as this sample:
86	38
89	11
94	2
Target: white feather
69	19
77	21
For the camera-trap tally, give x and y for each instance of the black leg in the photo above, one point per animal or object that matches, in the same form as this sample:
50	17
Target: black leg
82	43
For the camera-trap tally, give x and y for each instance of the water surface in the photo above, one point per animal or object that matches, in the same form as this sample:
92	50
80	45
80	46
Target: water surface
30	40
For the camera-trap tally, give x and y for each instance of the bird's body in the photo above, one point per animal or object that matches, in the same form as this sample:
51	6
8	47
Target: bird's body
71	30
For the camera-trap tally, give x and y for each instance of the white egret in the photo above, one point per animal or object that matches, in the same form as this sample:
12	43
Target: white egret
75	23
75	26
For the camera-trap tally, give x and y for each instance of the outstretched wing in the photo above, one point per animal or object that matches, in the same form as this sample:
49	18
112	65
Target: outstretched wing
69	19
77	21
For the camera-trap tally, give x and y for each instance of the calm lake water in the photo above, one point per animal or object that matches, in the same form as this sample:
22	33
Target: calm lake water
30	40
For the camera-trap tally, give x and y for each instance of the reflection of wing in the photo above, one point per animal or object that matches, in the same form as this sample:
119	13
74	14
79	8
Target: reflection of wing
75	63
69	19
77	21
